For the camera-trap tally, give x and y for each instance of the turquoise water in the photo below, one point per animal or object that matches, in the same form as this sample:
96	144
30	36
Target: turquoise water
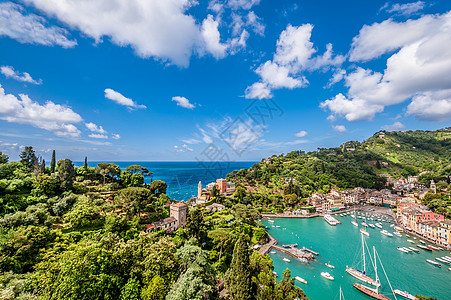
182	177
341	245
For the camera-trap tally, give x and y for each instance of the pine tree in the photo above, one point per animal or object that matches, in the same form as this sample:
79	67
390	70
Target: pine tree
53	163
239	274
86	163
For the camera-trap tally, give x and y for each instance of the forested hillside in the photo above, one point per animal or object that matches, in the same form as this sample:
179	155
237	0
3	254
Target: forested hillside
352	164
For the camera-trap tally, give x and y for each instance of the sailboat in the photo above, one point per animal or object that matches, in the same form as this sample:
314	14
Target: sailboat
341	294
359	274
354	222
374	292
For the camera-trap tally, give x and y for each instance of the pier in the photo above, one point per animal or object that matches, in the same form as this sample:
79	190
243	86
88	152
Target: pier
295	252
309	250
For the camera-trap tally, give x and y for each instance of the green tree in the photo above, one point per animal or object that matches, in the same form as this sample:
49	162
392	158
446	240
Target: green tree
239	274
66	174
107	169
222	237
158	187
137	179
194	222
53	162
28	157
86	163
3	158
138	169
134	199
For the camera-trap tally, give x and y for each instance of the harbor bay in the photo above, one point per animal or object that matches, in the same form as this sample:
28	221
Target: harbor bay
340	246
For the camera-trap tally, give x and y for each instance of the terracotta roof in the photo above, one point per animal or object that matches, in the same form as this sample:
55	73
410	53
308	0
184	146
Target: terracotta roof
180	204
164	221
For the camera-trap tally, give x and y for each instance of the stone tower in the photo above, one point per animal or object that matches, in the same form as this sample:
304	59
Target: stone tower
433	187
199	189
179	212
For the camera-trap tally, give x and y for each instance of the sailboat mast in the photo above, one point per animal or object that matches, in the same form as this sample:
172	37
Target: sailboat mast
363	254
375	269
340	292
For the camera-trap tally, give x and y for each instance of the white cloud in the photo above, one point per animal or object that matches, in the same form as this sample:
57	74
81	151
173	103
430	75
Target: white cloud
294	54
431	106
394	127
163	30
338	76
301	134
183	148
98	136
56	118
30	28
352	110
258	90
242	4
420	70
94	128
339	128
183	102
406	9
115	136
212	38
255	23
191	141
122	100
24	77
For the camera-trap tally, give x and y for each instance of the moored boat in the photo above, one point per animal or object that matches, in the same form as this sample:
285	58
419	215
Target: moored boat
286	259
273	252
385	232
370	292
442	260
413	249
433	263
402	249
327	275
364	224
364	232
372	225
379	225
329	265
410	241
423	247
331	220
355	223
404	294
433	247
300	279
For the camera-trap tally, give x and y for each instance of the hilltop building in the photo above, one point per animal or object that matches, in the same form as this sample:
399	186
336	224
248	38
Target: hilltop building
176	220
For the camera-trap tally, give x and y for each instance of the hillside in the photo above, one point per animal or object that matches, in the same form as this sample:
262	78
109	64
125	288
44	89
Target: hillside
353	164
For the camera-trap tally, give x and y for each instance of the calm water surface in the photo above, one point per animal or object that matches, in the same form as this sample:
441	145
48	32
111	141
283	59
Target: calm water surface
341	245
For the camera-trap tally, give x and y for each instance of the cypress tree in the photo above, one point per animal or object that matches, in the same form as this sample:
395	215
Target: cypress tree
86	163
53	163
42	171
240	273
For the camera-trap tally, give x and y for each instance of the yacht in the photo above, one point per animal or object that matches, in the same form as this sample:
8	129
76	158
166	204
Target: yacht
355	223
300	279
364	232
379	225
433	263
404	294
364	224
270	221
413	249
371	225
329	265
327	275
331	220
273	252
402	249
433	247
442	260
385	232
424	247
410	241
286	259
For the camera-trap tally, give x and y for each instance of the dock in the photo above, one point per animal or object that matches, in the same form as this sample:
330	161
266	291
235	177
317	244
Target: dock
309	250
295	252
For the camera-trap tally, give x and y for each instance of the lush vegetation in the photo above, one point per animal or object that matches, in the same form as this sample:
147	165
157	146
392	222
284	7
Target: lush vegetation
77	233
286	180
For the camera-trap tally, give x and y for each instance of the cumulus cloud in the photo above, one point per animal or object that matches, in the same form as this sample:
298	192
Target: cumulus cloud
420	70
183	102
393	127
115	136
94	128
242	4
98	136
293	56
163	30
122	100
30	28
301	134
183	148
406	9
9	72
56	118
339	128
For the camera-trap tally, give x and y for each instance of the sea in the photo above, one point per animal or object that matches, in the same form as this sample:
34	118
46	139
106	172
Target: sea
183	178
340	246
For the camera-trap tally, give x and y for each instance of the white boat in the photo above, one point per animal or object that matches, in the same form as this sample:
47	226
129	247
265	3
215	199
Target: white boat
407	235
397	234
414	238
433	263
398	229
275	274
286	259
303	260
449	269
330	266
433	247
353	216
442	260
410	241
270	221
385	232
447	257
364	224
364	232
361	275
331	220
372	225
355	223
414	249
407	248
300	279
277	226
379	225
402	249
404	294
273	252
392	225
327	275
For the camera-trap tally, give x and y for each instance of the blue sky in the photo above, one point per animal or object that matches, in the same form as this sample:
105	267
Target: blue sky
217	80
